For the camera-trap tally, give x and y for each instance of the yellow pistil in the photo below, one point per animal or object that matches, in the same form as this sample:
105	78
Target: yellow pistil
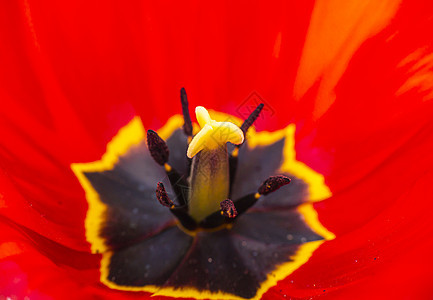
209	184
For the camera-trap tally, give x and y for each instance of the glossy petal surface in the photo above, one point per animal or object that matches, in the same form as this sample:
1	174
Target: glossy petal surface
354	76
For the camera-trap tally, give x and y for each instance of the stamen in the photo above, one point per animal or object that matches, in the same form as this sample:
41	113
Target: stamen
228	209
157	147
238	207
233	158
270	185
181	213
160	153
228	212
162	196
187	126
244	203
179	184
273	183
251	118
233	167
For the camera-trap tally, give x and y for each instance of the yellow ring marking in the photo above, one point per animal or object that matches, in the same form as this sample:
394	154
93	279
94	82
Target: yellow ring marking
133	134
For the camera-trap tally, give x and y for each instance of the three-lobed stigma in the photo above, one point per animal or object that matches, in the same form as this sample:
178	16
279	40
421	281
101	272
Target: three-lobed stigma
213	134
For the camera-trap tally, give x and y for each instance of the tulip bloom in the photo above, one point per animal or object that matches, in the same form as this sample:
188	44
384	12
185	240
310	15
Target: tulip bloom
354	77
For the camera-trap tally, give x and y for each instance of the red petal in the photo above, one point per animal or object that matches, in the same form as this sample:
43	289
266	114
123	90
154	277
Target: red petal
74	73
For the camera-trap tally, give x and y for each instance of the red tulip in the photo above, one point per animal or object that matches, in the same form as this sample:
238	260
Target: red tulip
355	77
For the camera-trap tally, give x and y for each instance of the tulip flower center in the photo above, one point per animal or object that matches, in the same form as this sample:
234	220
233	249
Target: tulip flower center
206	204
